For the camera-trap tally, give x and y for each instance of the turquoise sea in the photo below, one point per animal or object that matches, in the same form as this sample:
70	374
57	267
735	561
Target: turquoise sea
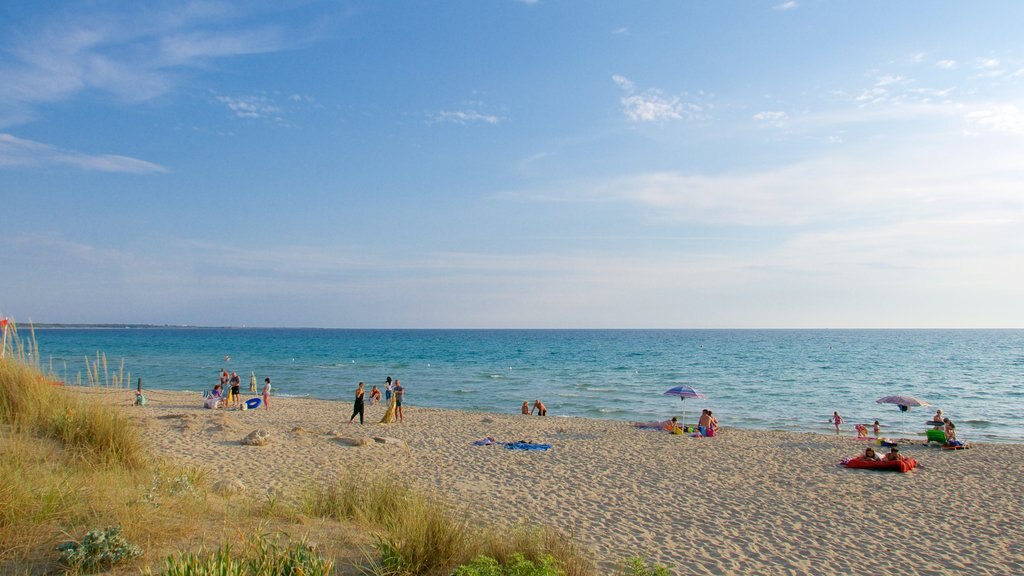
766	379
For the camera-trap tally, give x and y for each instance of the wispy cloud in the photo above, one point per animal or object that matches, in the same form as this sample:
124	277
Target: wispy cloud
467	116
254	107
1000	118
946	64
18	152
775	119
132	55
652	105
790	5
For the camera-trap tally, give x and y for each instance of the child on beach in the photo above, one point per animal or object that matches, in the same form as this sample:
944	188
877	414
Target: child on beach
266	393
375	395
862	431
877	429
836	420
526	407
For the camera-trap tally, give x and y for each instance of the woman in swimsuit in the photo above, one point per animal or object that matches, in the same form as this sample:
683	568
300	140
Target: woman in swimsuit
357	405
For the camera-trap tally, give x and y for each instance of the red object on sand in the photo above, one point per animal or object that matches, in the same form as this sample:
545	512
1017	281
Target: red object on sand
904	465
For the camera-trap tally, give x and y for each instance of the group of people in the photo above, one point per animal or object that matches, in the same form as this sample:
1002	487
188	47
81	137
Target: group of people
708	422
940	422
218	398
892	456
394	394
538	407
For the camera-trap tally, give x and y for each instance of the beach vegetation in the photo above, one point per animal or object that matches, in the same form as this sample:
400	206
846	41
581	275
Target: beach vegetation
262	557
518	565
636	566
419	533
98	549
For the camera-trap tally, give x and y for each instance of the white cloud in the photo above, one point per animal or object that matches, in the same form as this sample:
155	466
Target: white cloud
653	105
998	118
18	152
949	178
133	55
254	107
465	117
790	5
772	118
946	64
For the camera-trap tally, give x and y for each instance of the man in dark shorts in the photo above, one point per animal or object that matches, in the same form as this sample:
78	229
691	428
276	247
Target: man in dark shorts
236	391
399	397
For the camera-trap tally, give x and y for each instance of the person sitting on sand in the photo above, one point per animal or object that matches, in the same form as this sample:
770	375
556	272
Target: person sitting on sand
704	419
526	407
670	425
539	406
869	454
893	455
712	422
950	429
375	395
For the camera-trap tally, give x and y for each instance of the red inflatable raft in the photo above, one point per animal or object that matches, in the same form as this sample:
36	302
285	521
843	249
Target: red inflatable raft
904	465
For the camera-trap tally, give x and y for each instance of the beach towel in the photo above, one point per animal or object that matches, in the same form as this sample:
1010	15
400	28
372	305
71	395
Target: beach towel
526	446
486	442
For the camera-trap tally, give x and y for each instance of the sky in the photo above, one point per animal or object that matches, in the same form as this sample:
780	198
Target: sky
513	163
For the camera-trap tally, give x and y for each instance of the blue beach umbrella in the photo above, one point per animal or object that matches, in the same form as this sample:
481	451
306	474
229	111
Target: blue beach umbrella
684	392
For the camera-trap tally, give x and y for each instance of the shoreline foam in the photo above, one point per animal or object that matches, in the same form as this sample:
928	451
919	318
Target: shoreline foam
755	502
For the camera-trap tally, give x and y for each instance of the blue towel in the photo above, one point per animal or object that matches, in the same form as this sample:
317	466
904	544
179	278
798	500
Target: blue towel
526	446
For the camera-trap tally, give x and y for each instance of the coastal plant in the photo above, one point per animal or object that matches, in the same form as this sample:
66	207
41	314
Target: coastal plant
264	558
534	542
369	500
96	434
98	549
518	565
428	538
636	566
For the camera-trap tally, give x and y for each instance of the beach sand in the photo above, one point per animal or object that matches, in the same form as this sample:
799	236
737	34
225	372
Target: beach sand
745	502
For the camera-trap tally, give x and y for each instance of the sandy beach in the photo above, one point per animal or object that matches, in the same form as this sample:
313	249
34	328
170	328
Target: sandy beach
746	502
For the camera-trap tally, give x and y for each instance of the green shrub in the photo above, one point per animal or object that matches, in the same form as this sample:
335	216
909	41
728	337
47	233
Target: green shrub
518	565
98	549
637	567
264	559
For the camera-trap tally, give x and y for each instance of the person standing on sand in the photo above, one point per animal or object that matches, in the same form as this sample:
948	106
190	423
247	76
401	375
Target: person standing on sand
836	420
399	398
387	390
236	389
539	406
357	405
266	393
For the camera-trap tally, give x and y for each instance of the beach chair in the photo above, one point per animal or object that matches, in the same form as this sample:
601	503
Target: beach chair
935	435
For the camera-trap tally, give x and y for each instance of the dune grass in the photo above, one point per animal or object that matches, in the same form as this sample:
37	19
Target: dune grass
418	533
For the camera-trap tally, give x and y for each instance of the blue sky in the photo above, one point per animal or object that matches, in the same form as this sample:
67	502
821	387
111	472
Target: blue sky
503	163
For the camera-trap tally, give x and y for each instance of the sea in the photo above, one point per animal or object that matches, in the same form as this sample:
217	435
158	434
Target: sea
758	379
